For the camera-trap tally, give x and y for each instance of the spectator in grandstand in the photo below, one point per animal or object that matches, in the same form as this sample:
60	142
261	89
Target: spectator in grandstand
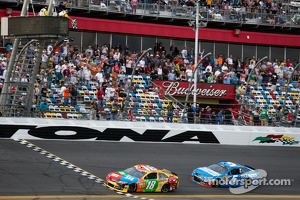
208	115
66	74
290	117
100	97
114	111
36	92
202	116
172	76
228	117
252	78
109	93
189	72
49	77
93	109
65	91
190	114
134	4
165	73
256	114
62	6
170	109
227	77
73	95
189	4
80	76
43	107
44	92
219	117
207	76
58	73
87	75
264	117
197	115
285	112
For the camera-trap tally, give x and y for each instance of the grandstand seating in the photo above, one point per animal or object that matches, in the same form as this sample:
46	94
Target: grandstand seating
146	105
263	96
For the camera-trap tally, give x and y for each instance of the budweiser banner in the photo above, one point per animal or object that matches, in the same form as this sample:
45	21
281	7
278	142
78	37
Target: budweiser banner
204	90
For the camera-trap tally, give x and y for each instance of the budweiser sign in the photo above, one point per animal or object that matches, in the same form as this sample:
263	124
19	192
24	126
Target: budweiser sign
203	90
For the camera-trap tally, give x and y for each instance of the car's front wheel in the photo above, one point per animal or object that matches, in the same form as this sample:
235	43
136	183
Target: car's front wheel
132	187
165	188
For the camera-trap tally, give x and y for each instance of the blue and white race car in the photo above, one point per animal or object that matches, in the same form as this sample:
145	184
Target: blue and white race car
224	174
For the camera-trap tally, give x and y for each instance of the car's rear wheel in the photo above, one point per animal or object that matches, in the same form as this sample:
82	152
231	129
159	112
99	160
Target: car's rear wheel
165	188
132	187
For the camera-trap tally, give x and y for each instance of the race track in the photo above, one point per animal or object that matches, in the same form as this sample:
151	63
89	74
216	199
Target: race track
29	174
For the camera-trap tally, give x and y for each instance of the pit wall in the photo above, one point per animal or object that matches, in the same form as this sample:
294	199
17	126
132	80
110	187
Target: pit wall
89	130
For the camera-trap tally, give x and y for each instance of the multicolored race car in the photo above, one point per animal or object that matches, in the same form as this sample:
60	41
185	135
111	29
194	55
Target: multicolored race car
224	174
142	178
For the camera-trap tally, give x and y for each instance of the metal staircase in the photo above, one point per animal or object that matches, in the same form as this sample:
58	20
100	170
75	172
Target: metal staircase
19	97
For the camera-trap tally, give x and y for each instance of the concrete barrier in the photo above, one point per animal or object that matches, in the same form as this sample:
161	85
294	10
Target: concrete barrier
37	128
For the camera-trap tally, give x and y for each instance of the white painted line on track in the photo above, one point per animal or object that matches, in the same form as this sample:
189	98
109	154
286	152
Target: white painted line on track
72	166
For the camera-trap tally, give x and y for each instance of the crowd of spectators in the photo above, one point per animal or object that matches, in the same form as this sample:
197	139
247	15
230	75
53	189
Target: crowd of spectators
106	67
272	12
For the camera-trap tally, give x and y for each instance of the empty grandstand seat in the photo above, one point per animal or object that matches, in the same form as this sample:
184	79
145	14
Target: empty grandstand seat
147	118
56	108
48	115
134	111
155	106
59	115
53	100
86	98
175	119
161	119
64	115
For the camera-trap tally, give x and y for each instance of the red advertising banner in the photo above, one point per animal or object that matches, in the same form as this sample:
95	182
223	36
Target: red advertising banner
204	90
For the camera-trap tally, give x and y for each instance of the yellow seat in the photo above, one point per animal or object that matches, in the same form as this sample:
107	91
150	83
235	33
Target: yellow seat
142	95
48	115
165	105
108	103
53	115
136	81
62	109
175	119
67	109
145	112
163	112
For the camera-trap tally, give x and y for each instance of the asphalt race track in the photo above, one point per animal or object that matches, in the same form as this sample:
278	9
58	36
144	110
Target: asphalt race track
29	174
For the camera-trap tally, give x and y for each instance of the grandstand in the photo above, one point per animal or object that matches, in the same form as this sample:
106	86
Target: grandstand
138	98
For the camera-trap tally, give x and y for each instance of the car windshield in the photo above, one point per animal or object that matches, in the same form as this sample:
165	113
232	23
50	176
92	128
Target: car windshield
218	168
134	172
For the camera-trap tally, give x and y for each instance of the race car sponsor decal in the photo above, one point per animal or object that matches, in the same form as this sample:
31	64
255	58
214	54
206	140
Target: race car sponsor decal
111	134
271	138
